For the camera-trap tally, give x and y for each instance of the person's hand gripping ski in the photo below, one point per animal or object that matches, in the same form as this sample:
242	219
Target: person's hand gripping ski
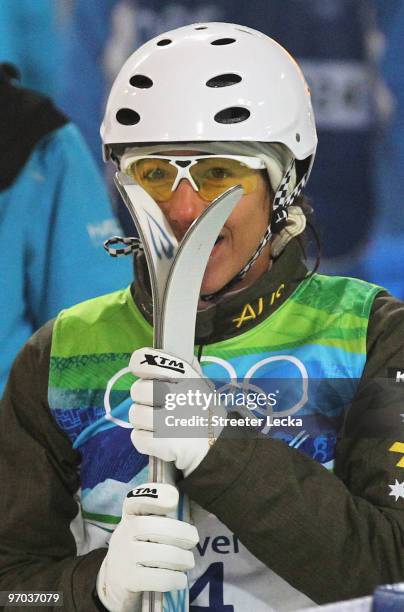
175	377
148	551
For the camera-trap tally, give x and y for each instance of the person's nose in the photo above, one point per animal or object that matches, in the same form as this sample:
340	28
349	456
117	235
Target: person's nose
184	206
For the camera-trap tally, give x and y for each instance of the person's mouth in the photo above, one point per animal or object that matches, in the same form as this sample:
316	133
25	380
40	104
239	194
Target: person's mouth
217	245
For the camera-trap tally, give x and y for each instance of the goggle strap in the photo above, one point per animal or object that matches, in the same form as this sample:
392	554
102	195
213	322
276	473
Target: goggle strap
297	190
282	200
281	196
133	245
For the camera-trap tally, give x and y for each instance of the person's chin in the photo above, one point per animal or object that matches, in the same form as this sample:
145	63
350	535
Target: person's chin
212	282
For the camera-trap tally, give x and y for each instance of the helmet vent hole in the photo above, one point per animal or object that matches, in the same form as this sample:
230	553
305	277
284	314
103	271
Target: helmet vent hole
297	137
141	81
224	80
127	116
223	41
164	42
234	114
201	28
245	31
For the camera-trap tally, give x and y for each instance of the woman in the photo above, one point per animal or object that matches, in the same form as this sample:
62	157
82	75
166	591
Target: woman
311	511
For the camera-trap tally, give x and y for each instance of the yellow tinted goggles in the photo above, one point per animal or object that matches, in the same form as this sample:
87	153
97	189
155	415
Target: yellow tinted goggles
209	175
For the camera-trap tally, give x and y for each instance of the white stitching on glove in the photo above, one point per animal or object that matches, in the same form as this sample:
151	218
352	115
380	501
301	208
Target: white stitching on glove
176	376
148	551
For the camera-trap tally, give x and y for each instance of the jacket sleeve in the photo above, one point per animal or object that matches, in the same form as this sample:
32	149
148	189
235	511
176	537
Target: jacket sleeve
332	535
39	477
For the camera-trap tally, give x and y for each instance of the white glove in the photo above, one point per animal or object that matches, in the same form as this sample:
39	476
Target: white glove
177	376
146	553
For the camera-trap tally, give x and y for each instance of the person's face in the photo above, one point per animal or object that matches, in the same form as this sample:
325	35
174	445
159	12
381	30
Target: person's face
238	238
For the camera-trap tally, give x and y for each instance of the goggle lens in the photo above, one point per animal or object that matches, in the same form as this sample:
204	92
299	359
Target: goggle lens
212	176
155	175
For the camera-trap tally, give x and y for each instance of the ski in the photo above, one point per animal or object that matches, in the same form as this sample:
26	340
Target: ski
181	295
176	272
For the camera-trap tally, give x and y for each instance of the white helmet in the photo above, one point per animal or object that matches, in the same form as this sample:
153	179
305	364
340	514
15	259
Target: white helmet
211	82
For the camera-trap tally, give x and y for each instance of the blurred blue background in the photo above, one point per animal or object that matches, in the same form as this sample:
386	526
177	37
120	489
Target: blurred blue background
350	52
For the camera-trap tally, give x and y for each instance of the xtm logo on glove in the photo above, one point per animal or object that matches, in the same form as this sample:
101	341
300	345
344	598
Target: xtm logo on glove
164	362
143	492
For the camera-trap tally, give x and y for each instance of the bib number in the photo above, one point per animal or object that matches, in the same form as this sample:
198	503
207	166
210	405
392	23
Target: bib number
213	579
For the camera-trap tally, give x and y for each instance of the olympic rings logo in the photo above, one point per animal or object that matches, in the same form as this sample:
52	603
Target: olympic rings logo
245	386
